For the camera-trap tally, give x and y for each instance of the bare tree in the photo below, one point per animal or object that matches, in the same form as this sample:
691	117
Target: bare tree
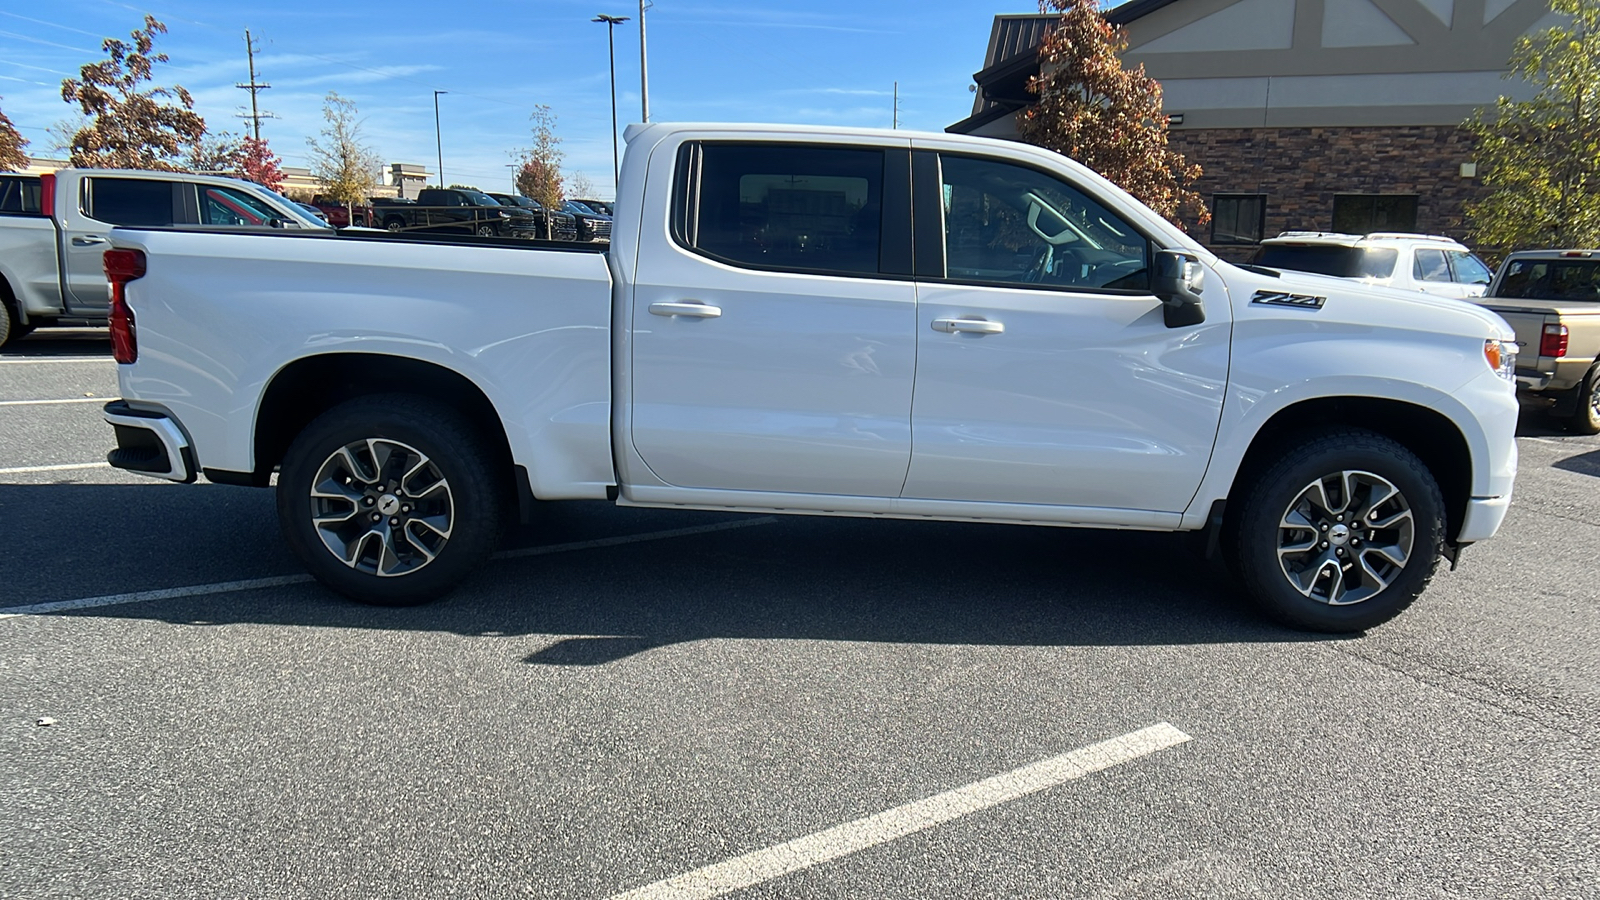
130	127
579	185
216	154
347	168
539	175
12	158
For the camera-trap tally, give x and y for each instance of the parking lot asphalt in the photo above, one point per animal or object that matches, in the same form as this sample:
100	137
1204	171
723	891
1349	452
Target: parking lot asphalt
660	704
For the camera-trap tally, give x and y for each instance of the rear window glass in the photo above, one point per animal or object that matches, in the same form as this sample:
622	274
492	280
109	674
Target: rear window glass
129	201
1552	279
1342	262
800	208
19	196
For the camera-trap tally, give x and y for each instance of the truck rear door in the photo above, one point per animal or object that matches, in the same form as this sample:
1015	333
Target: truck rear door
87	217
772	336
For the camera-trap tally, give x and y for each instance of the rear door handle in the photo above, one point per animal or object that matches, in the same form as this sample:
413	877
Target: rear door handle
87	240
692	308
968	326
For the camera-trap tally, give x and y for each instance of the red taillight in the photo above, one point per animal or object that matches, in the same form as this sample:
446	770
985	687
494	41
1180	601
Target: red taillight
123	266
1553	342
47	195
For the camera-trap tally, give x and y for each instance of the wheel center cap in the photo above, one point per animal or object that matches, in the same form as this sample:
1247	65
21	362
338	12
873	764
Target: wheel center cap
1338	535
389	504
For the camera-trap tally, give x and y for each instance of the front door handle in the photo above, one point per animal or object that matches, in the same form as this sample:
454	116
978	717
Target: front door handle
87	240
968	326
692	308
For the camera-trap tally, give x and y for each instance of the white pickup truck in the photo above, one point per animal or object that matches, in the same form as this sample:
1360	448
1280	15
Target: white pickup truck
54	227
830	322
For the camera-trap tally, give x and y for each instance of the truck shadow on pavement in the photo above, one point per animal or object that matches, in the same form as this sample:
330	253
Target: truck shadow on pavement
791	578
1583	463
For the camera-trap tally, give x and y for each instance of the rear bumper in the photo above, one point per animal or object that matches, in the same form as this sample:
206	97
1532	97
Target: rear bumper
150	443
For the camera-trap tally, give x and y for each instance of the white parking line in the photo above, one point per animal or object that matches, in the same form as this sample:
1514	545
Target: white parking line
24	470
39	361
251	584
813	849
49	402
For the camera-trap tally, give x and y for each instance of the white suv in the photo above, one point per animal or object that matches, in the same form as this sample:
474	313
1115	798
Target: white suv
1418	262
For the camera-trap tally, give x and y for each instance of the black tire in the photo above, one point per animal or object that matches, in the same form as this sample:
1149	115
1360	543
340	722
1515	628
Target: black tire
1368	589
11	327
359	222
423	563
487	231
394	223
1585	418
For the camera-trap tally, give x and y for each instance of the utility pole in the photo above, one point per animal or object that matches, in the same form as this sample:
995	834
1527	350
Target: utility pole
896	120
254	87
644	68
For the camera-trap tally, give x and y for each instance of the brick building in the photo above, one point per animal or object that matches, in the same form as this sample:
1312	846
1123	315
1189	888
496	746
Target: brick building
1330	115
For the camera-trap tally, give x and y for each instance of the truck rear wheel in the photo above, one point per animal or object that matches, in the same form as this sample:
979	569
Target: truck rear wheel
394	223
1586	416
389	499
1340	534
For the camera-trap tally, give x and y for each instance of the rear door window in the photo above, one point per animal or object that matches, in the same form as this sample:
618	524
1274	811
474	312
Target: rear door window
1430	265
796	208
130	201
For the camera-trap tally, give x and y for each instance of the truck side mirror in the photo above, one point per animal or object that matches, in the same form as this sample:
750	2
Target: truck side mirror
1179	281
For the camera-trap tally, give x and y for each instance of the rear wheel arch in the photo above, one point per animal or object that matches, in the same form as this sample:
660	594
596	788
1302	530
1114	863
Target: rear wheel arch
310	386
1429	434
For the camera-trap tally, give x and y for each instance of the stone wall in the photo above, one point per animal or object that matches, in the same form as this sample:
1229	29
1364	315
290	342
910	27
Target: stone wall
1301	169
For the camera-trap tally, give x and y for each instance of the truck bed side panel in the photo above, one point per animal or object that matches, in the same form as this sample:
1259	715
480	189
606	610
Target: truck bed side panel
218	315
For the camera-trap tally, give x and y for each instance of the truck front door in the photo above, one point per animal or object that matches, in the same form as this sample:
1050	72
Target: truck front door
1045	371
772	338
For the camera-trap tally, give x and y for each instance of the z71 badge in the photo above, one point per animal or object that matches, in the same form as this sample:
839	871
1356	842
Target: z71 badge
1279	298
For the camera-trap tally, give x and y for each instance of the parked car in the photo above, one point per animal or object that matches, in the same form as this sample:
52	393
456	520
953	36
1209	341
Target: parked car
313	211
592	226
563	226
758	344
1420	262
458	211
340	216
50	267
603	207
1552	299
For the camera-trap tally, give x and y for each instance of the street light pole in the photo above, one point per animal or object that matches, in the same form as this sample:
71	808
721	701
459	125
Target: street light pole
644	67
611	42
438	139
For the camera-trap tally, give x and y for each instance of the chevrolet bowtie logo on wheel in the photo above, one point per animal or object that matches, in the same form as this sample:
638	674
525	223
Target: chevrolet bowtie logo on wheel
1280	298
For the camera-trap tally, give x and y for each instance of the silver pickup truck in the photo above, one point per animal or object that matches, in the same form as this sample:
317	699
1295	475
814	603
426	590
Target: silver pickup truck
51	271
1552	299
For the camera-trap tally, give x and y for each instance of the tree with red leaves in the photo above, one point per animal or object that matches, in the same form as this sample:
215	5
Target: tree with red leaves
258	163
131	128
12	159
1107	117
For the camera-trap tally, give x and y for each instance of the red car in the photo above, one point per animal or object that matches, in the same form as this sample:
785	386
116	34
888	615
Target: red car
339	216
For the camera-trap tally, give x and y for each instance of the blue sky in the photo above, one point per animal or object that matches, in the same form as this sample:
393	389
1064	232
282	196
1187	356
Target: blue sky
824	62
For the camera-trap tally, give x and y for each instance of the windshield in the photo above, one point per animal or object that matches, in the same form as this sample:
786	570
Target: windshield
479	198
1552	279
1341	262
575	206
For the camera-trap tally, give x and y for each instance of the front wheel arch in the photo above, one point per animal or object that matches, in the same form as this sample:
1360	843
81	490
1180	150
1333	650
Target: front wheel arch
1425	432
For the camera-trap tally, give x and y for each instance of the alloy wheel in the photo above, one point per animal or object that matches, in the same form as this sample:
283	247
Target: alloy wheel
1345	537
382	507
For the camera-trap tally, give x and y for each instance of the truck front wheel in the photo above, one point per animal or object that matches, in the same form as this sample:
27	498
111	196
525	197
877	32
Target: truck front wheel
1340	534
389	499
1586	415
